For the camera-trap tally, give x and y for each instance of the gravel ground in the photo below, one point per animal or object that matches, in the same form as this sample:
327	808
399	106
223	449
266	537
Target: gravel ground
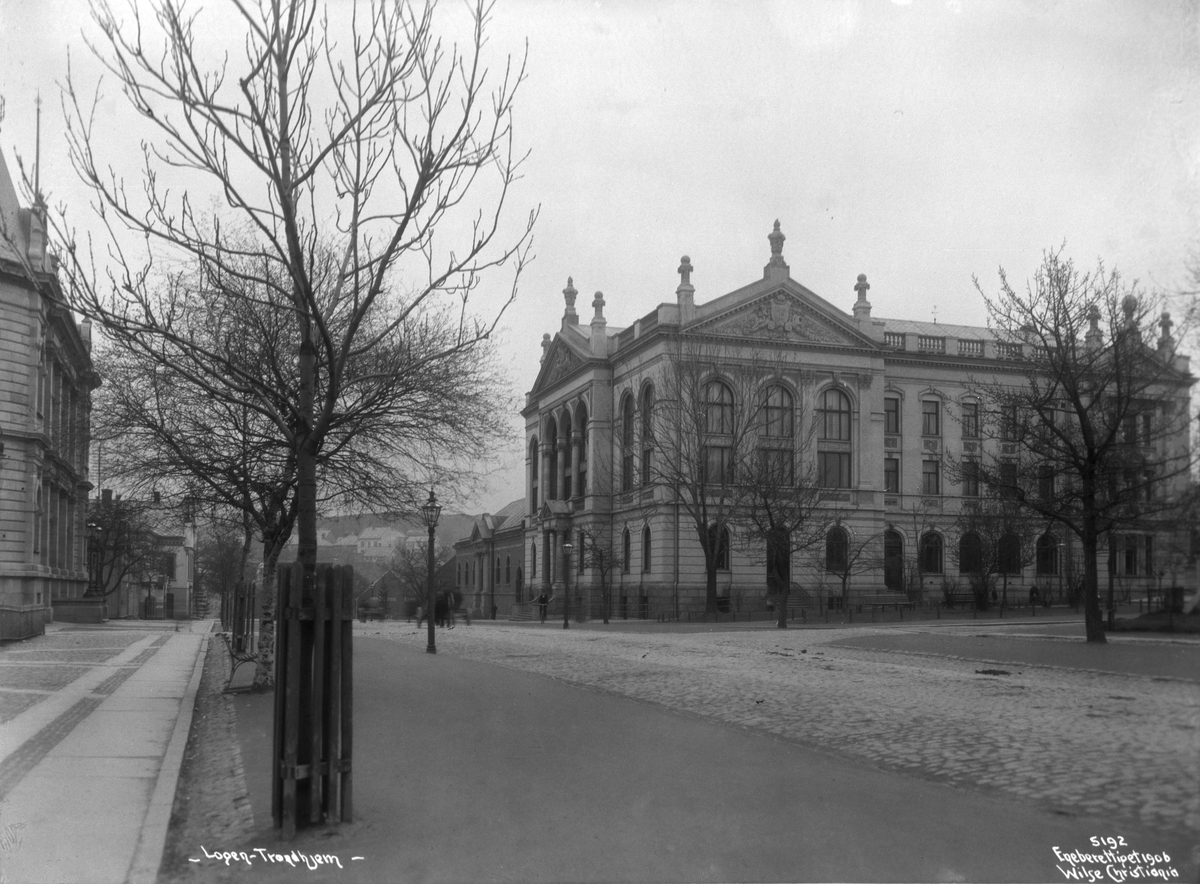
212	806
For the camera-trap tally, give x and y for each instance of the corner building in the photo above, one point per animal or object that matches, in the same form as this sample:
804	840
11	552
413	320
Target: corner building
896	392
46	381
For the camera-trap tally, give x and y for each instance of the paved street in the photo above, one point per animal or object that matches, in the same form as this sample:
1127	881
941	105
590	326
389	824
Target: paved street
1125	747
529	753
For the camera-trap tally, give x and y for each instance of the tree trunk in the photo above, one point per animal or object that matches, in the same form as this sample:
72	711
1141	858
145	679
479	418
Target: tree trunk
783	600
264	673
1093	618
710	588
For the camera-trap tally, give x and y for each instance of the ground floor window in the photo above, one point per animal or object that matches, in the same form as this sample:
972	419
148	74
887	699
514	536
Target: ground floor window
931	553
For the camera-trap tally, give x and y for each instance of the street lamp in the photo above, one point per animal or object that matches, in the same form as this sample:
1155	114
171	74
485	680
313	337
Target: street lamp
93	559
430	513
566	547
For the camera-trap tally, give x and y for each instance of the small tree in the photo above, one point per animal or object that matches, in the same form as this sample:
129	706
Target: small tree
1093	433
124	542
845	554
992	539
599	556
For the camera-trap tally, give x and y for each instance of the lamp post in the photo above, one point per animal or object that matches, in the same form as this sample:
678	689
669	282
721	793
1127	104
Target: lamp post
430	513
566	548
93	559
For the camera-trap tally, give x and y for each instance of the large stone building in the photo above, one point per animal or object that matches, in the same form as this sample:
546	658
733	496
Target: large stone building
46	379
884	407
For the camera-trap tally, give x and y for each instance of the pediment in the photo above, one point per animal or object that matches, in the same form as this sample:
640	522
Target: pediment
782	316
559	362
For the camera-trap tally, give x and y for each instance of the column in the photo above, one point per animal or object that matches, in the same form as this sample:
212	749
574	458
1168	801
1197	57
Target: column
545	451
561	446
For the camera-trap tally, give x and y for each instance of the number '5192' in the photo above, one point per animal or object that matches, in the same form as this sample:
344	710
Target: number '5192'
1112	843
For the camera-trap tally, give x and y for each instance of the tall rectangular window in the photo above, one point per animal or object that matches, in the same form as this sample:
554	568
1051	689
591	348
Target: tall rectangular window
970	477
931	477
1149	555
1010	423
891	475
931	414
891	415
1131	555
970	420
833	468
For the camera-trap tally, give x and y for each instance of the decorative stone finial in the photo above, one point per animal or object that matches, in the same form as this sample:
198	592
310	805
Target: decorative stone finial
1165	341
1093	338
776	267
862	307
598	304
545	345
569	294
685	271
1129	305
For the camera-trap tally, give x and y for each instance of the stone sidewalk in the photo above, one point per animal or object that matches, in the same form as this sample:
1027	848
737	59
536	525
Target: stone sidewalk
93	724
1068	738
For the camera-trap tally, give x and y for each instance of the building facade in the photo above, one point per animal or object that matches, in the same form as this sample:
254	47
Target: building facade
489	566
876	412
46	379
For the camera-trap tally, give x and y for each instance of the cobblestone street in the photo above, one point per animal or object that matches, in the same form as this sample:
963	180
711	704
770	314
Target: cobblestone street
1077	741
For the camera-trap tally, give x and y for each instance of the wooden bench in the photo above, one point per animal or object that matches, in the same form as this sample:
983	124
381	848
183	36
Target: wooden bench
238	658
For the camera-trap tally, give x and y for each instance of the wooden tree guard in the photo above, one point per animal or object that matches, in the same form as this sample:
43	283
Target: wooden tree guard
242	627
313	697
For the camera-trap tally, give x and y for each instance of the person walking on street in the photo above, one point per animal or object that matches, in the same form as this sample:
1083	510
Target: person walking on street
542	602
1033	596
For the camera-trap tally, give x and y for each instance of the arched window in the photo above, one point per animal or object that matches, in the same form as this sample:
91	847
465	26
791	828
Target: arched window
777	437
1047	555
533	475
625	551
931	553
833	416
716	457
721	543
1008	554
893	560
508	569
568	463
647	432
627	443
970	553
837	549
581	418
718	409
646	549
551	492
833	444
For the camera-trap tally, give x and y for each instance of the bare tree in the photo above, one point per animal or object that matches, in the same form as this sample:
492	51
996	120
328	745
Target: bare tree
704	427
844	554
1094	434
778	496
993	538
365	139
599	555
124	542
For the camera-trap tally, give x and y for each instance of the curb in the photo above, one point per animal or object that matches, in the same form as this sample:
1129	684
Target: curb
148	857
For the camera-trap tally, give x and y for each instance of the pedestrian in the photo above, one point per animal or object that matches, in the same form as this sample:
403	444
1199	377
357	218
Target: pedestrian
1033	595
995	596
542	602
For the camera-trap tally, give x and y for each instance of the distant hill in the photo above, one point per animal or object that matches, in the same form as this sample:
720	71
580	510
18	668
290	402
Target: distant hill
451	527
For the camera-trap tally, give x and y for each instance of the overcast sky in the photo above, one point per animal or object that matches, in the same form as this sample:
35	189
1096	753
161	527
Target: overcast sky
920	143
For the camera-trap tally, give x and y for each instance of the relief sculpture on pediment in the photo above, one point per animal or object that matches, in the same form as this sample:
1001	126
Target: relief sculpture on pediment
779	317
562	363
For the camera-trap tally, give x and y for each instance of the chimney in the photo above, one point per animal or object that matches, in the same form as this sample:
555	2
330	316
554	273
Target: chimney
862	307
776	267
569	315
685	295
599	338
